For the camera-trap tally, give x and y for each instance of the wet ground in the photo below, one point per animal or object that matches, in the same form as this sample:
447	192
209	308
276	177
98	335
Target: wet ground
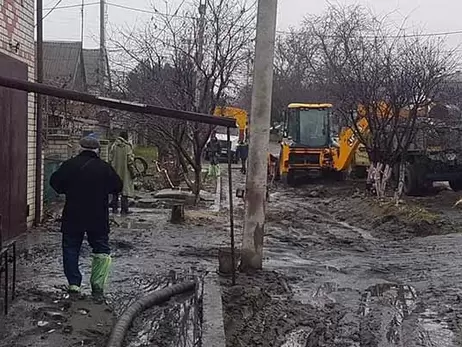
352	272
149	253
341	269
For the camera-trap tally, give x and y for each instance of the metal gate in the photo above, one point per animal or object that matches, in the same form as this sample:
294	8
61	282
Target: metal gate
13	151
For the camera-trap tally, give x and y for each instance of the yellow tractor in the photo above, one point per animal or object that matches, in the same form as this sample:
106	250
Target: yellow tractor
306	141
308	145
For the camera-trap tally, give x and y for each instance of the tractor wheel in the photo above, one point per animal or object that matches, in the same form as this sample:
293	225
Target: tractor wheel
360	172
414	184
277	174
288	179
456	185
141	165
340	176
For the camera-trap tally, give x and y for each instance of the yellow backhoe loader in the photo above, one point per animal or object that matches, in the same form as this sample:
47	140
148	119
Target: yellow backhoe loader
309	147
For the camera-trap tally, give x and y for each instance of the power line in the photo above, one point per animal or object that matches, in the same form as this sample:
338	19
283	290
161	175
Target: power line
71	6
447	33
52	9
151	12
155	12
435	34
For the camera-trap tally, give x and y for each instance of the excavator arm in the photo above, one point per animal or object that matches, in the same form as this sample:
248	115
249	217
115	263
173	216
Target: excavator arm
348	144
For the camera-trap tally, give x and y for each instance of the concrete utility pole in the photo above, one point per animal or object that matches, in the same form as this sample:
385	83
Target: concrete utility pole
254	227
82	23
39	116
102	45
200	54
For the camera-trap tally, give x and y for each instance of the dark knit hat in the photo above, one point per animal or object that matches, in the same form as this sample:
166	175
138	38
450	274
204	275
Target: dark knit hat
89	142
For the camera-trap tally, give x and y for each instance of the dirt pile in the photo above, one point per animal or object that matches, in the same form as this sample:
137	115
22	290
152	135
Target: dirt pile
360	272
413	217
259	311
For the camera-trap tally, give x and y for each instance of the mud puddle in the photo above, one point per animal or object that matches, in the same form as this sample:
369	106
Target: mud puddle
260	311
177	323
298	338
56	320
434	331
372	274
148	254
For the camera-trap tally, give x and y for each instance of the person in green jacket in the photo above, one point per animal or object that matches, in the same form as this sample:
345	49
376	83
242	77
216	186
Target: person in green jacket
122	160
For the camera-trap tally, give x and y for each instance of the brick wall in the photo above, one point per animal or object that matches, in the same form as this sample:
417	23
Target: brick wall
63	147
59	147
104	154
17	41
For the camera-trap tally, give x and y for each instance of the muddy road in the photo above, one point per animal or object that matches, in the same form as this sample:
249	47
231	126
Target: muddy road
149	253
341	269
363	273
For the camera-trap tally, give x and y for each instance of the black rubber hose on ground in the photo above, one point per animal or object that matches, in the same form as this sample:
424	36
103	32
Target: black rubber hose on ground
157	297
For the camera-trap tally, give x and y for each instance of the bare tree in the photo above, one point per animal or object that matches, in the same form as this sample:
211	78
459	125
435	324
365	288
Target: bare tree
295	76
392	76
188	62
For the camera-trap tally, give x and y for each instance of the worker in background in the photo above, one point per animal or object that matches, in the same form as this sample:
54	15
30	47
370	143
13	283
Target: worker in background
86	181
242	154
214	149
122	160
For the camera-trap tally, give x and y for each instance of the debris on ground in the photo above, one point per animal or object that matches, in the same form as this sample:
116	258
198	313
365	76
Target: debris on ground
341	269
260	311
360	272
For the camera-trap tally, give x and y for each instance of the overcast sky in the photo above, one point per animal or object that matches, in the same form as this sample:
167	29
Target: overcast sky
430	16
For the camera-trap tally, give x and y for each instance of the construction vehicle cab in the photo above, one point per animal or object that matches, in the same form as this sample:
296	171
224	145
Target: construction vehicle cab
307	141
237	134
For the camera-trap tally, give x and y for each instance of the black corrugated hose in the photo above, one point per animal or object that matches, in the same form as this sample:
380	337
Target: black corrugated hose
154	298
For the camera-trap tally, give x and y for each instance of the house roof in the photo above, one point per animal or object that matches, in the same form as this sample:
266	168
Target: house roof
63	67
60	62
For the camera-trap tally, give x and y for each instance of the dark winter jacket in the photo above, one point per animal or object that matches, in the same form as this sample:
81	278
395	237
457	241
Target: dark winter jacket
86	180
242	151
214	147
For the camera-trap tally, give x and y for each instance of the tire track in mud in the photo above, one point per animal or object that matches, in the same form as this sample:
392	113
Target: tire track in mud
377	292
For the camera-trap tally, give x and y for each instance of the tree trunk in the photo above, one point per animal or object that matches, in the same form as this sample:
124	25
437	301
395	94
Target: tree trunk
380	175
197	183
386	175
400	188
177	216
378	179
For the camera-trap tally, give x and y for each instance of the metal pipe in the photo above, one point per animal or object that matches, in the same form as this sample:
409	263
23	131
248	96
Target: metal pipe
159	296
231	207
123	105
39	117
13	285
1	232
5	255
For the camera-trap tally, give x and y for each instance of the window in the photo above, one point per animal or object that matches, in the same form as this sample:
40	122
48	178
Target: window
223	130
309	127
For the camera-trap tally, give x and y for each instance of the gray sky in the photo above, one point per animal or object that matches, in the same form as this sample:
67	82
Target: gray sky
428	15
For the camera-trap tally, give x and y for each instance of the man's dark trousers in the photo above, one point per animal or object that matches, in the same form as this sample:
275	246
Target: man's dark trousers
72	242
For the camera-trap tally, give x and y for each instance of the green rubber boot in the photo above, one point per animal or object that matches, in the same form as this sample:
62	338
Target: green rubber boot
100	267
73	289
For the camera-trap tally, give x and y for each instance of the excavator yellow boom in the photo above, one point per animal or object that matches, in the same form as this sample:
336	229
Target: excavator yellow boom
348	145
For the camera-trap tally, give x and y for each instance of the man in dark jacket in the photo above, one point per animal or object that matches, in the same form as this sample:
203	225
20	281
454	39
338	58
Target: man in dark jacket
87	181
214	150
243	153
